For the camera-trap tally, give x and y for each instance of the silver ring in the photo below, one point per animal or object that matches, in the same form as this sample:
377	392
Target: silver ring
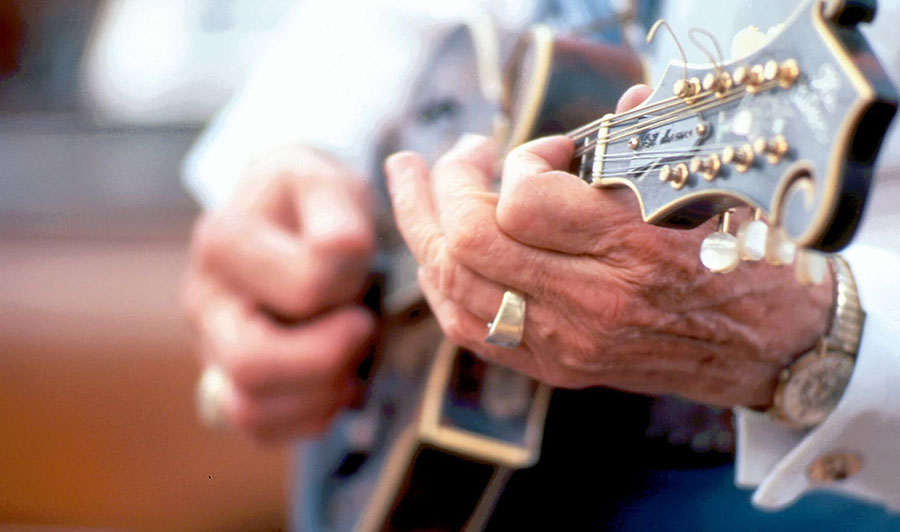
509	324
209	400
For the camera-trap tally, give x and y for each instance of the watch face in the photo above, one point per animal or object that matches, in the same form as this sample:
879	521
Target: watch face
815	386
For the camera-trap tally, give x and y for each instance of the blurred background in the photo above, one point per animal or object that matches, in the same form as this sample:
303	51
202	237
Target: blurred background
97	427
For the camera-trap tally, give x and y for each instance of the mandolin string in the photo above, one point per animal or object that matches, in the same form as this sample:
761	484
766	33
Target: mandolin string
654	123
662	120
655	154
589	128
643	111
675	116
633	114
640	171
667	118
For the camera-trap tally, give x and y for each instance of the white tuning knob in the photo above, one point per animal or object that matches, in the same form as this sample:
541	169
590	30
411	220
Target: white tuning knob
719	253
811	266
752	237
779	248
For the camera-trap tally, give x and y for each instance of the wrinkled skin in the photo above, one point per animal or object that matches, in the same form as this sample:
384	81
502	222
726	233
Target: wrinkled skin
611	301
273	293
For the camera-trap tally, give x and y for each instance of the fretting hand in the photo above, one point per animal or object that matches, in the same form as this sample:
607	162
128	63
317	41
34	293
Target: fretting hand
611	301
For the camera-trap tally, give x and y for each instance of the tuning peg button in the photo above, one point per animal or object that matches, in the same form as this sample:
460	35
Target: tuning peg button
779	248
718	252
810	267
752	236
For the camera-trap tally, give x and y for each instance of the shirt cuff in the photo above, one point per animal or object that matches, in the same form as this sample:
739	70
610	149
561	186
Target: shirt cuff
865	425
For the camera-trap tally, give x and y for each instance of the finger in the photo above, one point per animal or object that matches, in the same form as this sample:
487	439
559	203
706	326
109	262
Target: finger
217	315
476	150
278	269
336	222
634	96
466	212
261	356
479	296
408	186
542	206
278	176
275	418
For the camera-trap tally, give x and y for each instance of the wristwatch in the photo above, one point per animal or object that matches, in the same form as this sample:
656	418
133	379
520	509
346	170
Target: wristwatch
810	388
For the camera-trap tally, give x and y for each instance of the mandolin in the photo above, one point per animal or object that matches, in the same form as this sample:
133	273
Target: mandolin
789	130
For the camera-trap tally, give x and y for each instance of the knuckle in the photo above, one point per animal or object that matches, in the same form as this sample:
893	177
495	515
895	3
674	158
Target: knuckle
350	241
298	294
451	325
352	334
465	237
244	361
362	326
448	277
514	215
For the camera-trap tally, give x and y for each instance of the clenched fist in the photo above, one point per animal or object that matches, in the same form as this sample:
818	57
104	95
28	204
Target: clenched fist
273	292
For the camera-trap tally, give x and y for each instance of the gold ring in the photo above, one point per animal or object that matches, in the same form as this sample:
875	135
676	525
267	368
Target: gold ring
213	387
509	324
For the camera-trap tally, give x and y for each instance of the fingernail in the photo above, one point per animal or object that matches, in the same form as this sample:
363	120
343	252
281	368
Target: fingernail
395	164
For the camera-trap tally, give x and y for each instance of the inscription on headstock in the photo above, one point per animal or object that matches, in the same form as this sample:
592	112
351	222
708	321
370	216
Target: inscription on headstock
816	97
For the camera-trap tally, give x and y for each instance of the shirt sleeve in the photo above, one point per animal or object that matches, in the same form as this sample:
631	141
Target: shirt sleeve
866	422
334	76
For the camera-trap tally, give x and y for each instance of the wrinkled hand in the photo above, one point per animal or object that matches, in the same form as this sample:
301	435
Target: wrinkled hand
272	292
611	301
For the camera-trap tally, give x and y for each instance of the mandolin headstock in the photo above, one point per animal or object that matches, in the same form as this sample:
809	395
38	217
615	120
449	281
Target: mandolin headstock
791	129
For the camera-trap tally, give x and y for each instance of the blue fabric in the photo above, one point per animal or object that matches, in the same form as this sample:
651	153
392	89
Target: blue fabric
707	500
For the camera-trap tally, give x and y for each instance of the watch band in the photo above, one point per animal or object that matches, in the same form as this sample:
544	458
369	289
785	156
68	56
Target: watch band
848	316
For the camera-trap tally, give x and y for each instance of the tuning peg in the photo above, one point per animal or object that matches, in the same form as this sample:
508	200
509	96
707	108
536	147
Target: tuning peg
707	167
751	77
719	83
779	248
773	149
718	252
810	267
788	72
742	157
752	236
687	88
676	176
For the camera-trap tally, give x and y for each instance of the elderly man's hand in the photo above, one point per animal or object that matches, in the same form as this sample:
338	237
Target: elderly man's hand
611	301
273	293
